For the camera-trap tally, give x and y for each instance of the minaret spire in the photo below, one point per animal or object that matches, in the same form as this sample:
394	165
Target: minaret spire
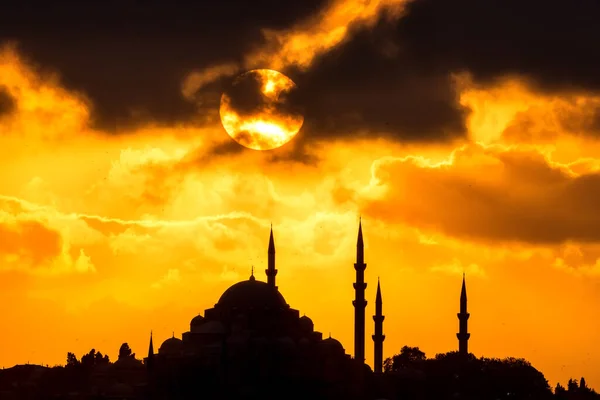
463	316
150	359
271	271
151	347
378	337
359	301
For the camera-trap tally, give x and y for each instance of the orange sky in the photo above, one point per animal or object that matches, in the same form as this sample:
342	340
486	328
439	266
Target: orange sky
104	237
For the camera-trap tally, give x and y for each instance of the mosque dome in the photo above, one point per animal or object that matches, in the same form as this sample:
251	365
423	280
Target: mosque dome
251	294
331	344
306	324
196	322
172	345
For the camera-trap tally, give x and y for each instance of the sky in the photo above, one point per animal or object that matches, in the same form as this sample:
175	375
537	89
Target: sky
465	133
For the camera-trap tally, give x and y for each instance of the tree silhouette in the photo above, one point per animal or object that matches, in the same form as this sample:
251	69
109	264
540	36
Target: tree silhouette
88	360
101	359
125	351
560	393
453	375
572	386
72	360
409	358
575	391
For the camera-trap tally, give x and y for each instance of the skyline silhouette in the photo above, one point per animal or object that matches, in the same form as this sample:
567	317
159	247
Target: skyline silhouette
252	343
465	133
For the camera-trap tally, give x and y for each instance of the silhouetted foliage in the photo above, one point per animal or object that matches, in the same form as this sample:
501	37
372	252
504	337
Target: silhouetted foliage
72	360
560	391
93	358
409	357
575	391
453	375
125	351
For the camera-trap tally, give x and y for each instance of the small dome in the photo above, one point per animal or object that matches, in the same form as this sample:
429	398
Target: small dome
196	322
172	345
333	345
251	294
212	327
306	324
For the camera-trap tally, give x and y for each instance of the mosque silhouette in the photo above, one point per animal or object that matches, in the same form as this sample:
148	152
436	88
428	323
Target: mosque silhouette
252	341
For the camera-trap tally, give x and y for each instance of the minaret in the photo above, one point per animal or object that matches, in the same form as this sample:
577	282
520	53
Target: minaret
150	359
463	316
359	299
271	271
378	337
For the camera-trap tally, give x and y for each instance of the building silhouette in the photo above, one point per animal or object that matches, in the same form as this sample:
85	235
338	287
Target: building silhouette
252	335
463	334
359	301
253	345
378	337
271	271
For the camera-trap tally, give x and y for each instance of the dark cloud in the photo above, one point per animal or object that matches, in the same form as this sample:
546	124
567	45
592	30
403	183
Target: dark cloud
547	121
550	42
370	85
294	151
7	102
393	80
130	57
246	98
511	196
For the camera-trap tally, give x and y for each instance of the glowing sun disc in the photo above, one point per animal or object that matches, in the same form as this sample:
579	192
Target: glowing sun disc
259	110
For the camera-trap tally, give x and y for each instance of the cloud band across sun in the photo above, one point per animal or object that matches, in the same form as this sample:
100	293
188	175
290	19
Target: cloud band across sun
258	111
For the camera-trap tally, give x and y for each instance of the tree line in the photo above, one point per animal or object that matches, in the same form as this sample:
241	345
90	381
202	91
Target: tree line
452	375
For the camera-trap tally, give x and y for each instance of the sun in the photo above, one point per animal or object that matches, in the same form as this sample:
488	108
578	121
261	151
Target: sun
260	110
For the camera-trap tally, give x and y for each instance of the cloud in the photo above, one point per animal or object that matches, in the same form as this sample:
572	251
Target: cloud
87	43
510	111
489	194
549	44
45	110
363	89
456	267
319	33
29	243
7	102
33	247
394	78
172	277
